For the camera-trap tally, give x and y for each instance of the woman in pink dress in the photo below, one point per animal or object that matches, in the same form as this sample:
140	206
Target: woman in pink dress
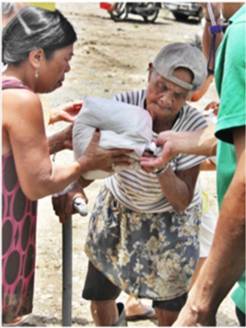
37	46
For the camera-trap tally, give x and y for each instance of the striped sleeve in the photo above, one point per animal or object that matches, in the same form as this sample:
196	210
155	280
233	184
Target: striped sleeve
131	97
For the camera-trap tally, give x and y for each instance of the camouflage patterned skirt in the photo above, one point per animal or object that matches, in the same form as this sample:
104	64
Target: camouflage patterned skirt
148	255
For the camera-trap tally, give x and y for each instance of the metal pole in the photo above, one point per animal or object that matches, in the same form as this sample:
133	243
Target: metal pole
67	237
67	272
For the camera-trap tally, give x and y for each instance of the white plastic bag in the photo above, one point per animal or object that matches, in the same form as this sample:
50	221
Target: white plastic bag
121	125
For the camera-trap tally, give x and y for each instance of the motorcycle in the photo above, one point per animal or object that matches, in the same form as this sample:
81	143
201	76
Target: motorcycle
119	11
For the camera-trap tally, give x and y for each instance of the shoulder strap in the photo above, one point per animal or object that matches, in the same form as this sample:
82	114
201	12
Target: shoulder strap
13	84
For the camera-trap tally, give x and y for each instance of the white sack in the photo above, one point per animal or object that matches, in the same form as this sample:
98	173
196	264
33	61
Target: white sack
122	126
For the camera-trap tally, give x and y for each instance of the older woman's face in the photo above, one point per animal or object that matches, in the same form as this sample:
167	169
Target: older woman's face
165	98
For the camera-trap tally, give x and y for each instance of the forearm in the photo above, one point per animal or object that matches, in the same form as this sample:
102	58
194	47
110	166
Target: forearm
201	142
206	38
54	179
56	142
226	261
175	190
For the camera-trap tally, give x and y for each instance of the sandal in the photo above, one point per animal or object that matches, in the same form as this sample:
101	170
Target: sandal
17	322
140	311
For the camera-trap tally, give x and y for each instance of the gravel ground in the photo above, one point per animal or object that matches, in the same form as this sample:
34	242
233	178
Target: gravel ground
109	57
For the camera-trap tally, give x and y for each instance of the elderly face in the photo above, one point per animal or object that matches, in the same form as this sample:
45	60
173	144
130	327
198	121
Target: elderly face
165	98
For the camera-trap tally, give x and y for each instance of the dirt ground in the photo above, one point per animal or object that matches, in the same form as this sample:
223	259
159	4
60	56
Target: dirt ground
109	57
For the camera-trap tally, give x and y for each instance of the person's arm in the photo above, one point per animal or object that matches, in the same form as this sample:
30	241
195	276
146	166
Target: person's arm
63	139
178	187
23	121
206	37
66	112
226	260
60	140
200	142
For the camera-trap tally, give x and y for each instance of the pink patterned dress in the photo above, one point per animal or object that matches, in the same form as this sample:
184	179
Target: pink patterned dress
18	238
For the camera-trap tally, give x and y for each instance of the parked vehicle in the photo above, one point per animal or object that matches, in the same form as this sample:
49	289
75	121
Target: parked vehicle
184	10
119	11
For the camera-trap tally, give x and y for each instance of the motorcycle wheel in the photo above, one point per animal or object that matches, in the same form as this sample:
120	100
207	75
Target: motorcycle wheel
153	12
119	12
152	17
180	17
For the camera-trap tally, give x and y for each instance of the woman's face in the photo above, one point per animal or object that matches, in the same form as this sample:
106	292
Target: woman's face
52	71
165	98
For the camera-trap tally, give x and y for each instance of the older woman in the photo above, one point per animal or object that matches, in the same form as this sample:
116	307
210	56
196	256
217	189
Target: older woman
143	232
37	46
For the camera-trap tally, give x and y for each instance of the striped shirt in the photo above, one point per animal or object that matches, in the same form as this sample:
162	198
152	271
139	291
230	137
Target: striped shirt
140	191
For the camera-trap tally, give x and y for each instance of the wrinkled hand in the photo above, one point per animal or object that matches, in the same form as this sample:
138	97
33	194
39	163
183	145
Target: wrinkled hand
186	320
147	155
67	112
104	159
190	318
166	140
63	204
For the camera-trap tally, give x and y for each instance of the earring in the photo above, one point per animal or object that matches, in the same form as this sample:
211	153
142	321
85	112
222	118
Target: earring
36	74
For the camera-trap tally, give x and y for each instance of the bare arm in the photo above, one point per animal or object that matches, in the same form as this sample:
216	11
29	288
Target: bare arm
23	121
200	142
206	38
178	187
60	140
226	261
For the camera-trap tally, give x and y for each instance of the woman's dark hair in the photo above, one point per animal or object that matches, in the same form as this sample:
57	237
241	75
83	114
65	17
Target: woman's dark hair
34	28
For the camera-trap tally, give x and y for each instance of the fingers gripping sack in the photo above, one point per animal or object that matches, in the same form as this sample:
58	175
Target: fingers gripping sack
122	126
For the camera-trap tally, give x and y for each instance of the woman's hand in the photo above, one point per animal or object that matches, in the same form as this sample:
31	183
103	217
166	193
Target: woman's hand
96	157
146	157
63	204
67	112
167	140
192	315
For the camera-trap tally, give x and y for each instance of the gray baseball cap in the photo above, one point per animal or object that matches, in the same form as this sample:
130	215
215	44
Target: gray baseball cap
176	55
